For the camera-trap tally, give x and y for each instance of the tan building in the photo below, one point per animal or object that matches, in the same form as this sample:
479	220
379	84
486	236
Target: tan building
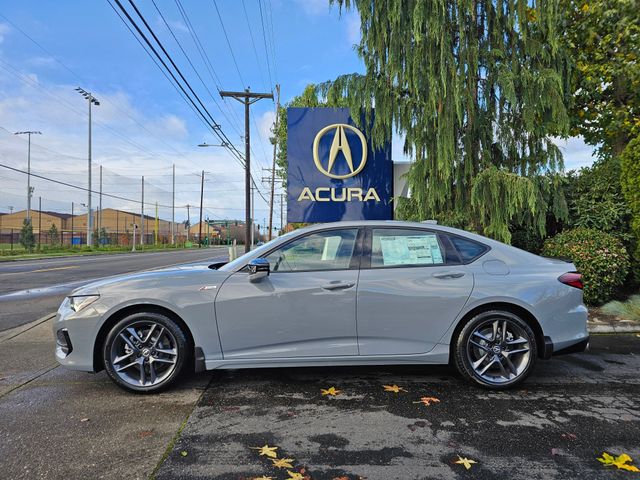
40	221
119	221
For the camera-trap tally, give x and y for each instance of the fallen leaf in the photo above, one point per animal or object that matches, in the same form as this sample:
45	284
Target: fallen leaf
622	462
330	391
428	400
145	433
555	451
267	451
263	477
467	462
570	436
295	475
393	388
184	453
282	462
84	419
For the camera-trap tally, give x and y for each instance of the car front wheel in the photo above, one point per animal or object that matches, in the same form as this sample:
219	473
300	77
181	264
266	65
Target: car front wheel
496	349
145	352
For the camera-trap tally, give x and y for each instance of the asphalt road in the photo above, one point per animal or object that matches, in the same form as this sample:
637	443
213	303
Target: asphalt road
30	289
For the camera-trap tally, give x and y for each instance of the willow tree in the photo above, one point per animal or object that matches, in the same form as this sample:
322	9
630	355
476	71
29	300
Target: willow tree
478	89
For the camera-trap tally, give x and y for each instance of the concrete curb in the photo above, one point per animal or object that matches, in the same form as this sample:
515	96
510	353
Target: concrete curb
14	332
620	327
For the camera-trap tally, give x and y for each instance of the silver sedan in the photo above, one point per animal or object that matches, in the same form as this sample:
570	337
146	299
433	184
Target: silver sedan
347	293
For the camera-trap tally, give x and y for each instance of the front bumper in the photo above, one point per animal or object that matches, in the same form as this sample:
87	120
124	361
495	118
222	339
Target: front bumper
75	334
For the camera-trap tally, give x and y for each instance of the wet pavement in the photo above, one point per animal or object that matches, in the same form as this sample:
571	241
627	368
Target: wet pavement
570	411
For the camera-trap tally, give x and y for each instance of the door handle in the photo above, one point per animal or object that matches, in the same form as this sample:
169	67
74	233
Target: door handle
338	285
443	275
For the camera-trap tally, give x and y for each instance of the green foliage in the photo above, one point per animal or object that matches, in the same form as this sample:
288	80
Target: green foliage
527	239
53	234
603	40
629	309
595	199
309	98
630	181
27	238
599	256
478	90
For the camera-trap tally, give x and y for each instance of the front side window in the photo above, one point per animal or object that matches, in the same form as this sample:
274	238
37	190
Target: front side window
331	250
393	247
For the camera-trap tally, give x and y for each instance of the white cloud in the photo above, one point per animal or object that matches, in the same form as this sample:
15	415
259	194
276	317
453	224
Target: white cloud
265	123
4	29
314	7
576	153
353	28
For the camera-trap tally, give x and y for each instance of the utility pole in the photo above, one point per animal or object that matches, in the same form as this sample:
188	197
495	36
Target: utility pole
142	215
201	198
100	204
29	189
71	241
273	167
253	189
173	208
155	233
247	98
188	221
92	101
282	212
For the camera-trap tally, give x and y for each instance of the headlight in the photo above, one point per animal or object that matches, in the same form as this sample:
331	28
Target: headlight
78	302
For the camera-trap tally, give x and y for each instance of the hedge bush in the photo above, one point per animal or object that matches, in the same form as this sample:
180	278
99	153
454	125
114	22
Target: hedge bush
599	256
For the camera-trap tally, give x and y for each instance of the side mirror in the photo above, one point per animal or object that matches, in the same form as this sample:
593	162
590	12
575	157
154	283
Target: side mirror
258	269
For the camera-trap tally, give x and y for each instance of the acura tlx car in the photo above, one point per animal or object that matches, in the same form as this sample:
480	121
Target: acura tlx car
346	293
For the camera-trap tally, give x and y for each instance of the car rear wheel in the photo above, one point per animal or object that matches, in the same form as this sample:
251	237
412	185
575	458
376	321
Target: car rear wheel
496	349
145	352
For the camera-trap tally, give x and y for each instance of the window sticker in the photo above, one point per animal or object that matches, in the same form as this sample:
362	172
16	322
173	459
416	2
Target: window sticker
410	250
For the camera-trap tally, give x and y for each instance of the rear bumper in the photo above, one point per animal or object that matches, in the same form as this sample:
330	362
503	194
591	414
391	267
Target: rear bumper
579	346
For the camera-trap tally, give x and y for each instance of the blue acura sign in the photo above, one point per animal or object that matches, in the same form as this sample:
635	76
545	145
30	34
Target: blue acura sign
333	172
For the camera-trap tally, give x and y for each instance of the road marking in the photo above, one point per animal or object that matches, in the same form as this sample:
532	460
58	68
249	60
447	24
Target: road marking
40	270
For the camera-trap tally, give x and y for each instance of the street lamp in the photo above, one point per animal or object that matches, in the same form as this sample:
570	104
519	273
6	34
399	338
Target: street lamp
29	189
92	101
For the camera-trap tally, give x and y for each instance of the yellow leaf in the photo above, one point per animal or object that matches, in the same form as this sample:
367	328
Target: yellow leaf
428	400
467	462
622	462
585	7
330	391
263	477
282	462
393	388
267	451
295	475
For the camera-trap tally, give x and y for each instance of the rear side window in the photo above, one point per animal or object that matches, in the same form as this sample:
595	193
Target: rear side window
395	247
468	249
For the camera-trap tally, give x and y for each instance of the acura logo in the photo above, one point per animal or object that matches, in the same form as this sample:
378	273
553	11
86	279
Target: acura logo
340	144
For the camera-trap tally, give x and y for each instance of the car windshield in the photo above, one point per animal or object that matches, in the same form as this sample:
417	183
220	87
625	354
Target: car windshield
238	262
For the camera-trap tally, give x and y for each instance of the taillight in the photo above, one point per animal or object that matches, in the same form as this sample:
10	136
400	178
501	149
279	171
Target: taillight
573	279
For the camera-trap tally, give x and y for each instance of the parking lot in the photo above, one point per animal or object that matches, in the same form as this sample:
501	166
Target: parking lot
62	424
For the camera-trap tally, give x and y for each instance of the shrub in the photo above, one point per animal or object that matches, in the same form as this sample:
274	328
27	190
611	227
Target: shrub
599	256
630	180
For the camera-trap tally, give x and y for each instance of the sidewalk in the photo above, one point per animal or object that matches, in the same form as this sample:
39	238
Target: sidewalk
602	323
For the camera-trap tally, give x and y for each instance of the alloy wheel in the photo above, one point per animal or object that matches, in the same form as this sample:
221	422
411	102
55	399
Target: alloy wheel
498	350
144	353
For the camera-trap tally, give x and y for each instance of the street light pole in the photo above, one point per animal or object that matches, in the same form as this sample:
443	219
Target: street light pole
92	101
201	199
29	190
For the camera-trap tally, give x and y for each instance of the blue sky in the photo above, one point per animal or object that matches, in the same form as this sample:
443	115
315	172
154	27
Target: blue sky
142	126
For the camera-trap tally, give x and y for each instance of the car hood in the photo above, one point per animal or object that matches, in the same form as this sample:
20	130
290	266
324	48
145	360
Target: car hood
161	277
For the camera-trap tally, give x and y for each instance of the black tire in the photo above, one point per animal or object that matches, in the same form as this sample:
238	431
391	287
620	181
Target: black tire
518	366
168	337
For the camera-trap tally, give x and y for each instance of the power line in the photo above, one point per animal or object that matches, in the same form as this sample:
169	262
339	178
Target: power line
224	30
253	43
